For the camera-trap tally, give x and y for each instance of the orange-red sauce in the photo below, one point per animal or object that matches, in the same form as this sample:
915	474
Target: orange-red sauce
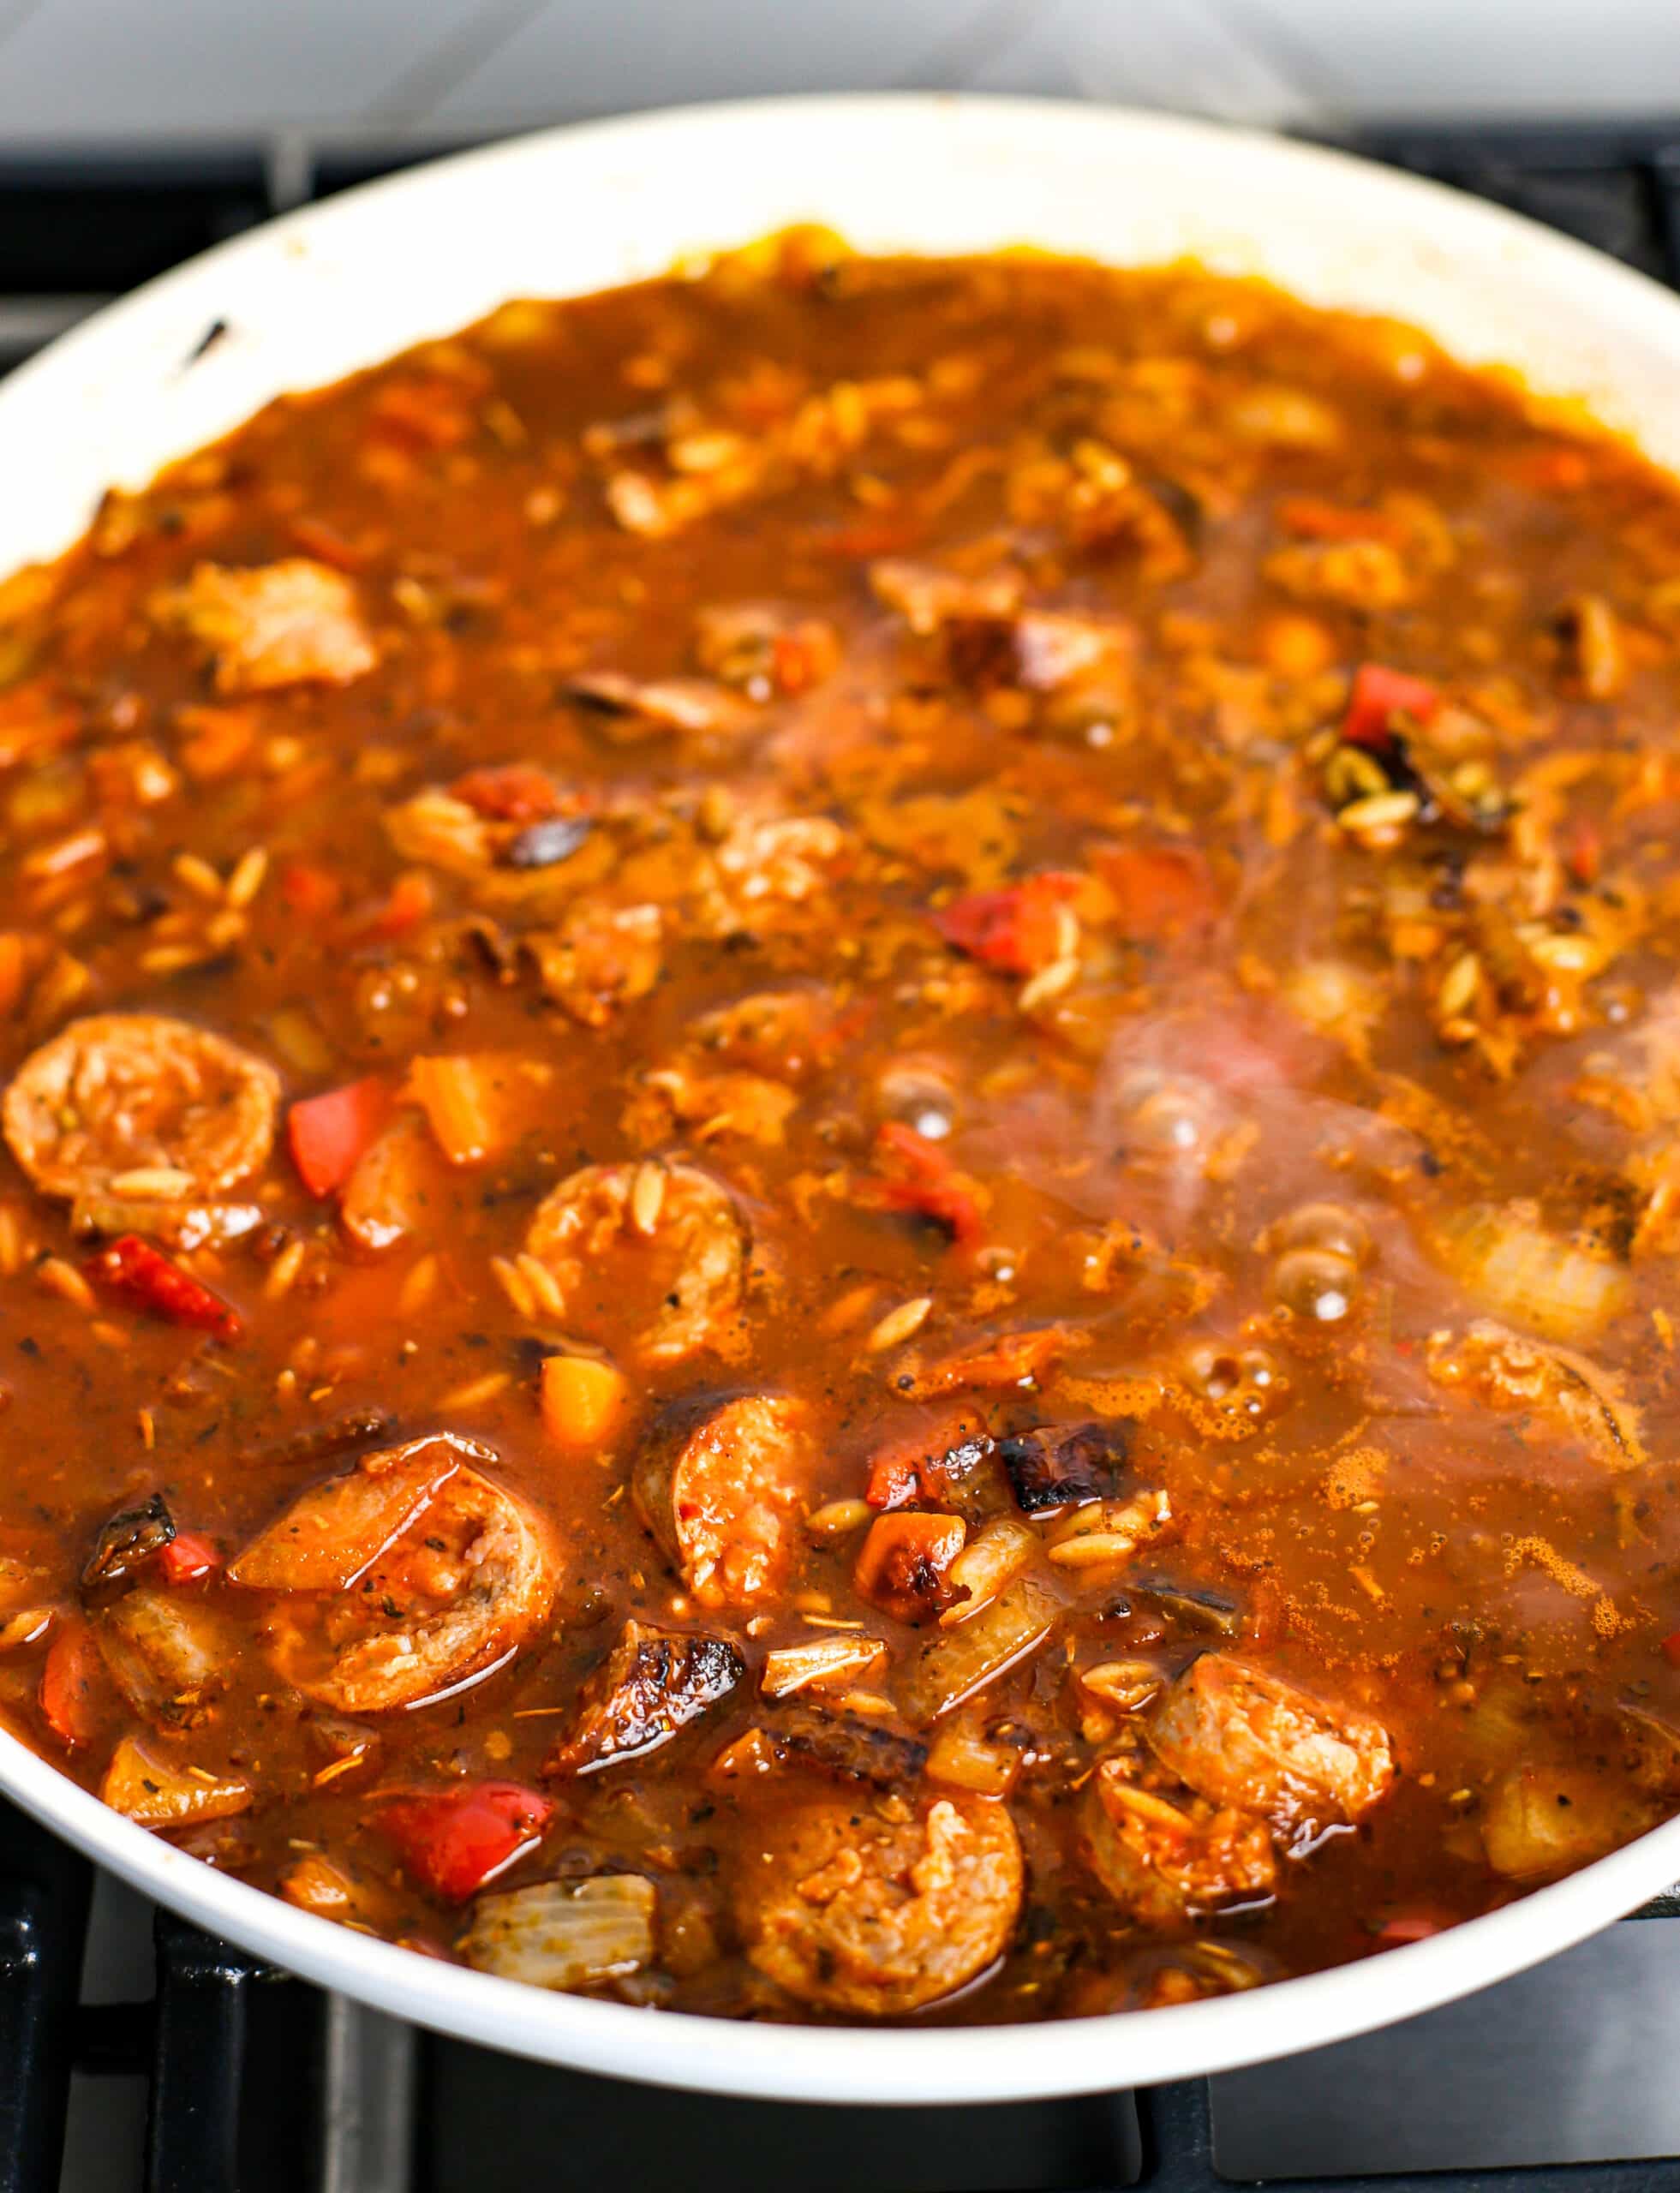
1148	910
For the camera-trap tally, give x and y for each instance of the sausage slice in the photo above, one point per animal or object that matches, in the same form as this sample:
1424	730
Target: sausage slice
411	1577
1168	1862
1253	1741
874	1918
654	1682
721	1490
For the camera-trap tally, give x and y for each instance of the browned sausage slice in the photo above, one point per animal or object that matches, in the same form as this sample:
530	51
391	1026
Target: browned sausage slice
654	1682
721	1490
876	1918
1258	1743
458	1628
120	1095
847	1747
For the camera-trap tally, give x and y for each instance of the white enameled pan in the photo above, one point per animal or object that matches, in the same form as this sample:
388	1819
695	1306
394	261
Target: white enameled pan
341	285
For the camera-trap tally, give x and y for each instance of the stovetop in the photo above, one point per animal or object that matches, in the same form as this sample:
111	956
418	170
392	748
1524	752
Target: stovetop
135	2052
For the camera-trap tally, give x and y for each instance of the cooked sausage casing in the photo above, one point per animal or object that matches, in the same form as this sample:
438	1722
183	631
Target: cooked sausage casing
719	1485
651	1685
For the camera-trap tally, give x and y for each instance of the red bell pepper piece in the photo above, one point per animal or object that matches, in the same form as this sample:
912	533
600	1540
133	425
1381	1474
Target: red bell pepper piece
893	1478
919	1177
145	1278
1016	930
1670	1648
188	1558
1377	695
916	1154
328	1133
511	791
791	665
73	1665
453	1841
803	657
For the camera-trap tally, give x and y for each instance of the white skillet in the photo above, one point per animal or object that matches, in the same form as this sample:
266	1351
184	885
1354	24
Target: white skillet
342	285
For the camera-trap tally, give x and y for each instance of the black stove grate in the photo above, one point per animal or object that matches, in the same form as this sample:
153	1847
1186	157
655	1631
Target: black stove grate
1618	189
257	2083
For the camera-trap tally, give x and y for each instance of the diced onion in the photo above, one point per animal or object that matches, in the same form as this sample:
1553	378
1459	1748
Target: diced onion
963	1760
564	1935
869	1703
986	1564
1120	1799
747	1756
1523	1270
161	1648
159	1793
824	1660
1229	1967
300	1042
316	1884
1536	1821
952	1665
